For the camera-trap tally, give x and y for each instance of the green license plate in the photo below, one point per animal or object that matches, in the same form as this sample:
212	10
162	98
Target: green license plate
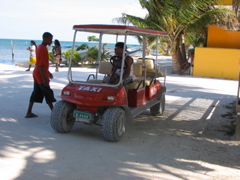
82	115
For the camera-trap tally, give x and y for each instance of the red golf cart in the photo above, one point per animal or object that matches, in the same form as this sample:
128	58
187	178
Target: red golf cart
96	100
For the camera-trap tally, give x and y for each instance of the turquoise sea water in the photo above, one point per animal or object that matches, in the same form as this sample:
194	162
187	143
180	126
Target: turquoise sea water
18	47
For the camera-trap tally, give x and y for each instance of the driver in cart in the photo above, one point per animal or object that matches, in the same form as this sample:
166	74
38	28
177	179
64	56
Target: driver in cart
128	68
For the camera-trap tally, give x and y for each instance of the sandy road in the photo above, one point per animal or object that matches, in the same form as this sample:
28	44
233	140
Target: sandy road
188	142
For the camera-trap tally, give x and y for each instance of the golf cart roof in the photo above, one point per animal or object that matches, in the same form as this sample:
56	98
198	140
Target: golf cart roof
118	29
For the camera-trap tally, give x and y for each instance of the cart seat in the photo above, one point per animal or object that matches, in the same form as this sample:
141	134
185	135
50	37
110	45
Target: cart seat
138	80
104	68
137	70
153	70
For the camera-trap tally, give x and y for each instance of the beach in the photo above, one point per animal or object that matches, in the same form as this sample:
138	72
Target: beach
192	140
18	48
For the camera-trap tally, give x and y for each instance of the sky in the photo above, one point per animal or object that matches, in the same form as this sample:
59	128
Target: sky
28	19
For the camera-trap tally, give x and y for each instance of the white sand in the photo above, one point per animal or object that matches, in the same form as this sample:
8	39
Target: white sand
187	142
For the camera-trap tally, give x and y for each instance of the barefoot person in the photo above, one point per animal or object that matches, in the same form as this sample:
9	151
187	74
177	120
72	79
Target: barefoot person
32	49
57	54
42	76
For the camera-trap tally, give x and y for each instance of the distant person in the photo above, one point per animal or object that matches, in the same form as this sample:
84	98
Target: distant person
32	58
191	58
42	76
189	63
128	71
57	54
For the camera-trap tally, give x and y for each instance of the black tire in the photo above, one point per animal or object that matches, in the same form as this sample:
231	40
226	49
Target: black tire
113	124
62	119
158	109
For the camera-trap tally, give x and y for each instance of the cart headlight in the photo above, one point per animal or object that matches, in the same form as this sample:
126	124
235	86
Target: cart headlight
110	98
66	93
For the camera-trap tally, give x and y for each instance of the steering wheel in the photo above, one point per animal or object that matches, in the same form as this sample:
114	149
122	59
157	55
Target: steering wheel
116	61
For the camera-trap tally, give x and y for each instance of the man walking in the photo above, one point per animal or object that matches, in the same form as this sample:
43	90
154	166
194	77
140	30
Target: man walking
42	76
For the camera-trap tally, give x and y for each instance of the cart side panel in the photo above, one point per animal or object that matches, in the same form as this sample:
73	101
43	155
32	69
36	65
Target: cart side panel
136	97
152	90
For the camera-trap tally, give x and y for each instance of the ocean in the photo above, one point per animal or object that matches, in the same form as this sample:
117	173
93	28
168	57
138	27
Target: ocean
18	48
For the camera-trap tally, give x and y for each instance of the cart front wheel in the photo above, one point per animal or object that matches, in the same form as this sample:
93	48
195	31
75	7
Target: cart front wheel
62	119
113	124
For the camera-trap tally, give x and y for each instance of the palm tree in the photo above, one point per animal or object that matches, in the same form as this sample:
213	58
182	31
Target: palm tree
92	38
92	54
236	8
177	17
82	47
75	57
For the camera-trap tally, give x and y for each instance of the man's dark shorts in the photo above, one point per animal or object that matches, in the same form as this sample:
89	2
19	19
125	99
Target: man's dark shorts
40	91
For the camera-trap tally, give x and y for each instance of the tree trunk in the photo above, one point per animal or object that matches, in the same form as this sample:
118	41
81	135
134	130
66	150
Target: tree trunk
183	49
147	51
175	63
176	57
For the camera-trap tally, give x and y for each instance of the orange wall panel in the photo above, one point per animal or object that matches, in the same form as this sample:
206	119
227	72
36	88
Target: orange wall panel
226	2
218	37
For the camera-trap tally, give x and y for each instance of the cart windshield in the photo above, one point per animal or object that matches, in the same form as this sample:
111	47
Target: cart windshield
97	53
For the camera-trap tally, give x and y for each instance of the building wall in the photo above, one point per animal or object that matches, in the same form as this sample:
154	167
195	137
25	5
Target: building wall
226	2
218	37
222	56
216	63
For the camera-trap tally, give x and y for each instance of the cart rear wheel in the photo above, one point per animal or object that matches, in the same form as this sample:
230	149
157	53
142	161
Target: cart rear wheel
158	108
62	119
113	124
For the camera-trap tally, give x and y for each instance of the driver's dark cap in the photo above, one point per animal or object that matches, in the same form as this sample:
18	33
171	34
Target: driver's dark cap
120	45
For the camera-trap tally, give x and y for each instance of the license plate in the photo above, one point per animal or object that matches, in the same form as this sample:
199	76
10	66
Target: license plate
82	115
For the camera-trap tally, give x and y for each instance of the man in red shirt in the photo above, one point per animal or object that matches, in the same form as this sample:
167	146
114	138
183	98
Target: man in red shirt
42	76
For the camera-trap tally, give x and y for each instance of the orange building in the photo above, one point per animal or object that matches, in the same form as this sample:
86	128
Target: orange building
226	2
220	59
